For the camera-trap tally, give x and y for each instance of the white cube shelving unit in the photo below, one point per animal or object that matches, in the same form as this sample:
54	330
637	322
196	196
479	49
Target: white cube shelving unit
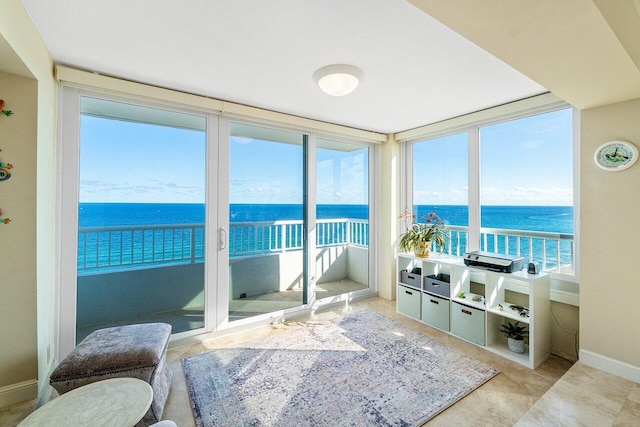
476	321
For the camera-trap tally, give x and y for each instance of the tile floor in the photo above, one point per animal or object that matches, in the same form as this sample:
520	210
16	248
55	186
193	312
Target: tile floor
556	394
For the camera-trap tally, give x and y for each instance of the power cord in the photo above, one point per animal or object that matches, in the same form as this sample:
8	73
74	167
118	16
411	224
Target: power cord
575	336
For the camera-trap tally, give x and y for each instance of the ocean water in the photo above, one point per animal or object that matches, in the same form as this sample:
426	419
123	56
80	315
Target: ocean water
119	214
557	219
550	219
243	240
553	219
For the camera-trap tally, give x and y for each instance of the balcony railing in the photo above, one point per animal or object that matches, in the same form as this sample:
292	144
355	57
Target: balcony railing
108	248
130	246
252	238
553	251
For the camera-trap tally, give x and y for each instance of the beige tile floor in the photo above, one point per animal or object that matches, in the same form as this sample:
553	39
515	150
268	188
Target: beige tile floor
555	394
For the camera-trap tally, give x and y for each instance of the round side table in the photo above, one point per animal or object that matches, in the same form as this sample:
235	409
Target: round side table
116	402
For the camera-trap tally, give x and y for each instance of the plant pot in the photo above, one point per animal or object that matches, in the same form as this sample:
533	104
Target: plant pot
517	346
422	251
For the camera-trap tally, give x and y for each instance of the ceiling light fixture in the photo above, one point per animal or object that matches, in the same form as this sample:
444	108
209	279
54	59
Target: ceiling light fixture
338	79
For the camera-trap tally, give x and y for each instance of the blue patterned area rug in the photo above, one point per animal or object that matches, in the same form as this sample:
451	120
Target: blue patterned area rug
361	370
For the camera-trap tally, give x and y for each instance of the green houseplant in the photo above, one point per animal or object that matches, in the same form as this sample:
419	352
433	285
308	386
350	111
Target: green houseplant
515	336
419	236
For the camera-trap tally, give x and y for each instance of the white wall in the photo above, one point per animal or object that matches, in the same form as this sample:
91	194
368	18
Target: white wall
18	136
30	267
610	232
388	212
281	271
331	264
110	297
358	264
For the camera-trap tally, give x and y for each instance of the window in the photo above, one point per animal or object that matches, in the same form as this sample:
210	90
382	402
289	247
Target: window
141	217
342	218
181	216
268	225
441	184
266	220
526	185
504	187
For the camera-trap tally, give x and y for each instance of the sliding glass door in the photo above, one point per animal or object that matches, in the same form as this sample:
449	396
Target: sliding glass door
141	217
199	221
266	229
342	218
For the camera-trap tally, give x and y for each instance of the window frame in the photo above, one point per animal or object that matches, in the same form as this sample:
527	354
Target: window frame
68	185
471	126
218	133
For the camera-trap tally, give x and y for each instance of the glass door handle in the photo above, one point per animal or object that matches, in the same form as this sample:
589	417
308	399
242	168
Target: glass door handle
222	239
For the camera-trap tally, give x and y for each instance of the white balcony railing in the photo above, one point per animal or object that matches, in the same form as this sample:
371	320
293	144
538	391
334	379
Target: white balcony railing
108	248
251	238
553	251
130	246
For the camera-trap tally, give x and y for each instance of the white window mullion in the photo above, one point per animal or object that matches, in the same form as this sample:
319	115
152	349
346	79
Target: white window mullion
375	183
311	218
473	238
211	223
219	292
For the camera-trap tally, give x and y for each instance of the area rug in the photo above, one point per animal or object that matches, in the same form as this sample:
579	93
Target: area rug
361	370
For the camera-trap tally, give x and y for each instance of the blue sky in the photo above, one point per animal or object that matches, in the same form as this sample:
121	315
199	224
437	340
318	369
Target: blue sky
140	163
524	162
129	162
263	172
269	172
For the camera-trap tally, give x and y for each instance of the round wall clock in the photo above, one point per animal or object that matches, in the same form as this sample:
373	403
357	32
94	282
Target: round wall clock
616	155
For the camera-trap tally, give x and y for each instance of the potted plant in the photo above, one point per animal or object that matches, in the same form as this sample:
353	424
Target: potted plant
419	236
515	336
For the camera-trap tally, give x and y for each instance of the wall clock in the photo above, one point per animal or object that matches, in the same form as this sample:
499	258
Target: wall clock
616	155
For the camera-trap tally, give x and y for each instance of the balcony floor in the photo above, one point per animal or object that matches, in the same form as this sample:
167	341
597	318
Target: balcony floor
186	320
275	301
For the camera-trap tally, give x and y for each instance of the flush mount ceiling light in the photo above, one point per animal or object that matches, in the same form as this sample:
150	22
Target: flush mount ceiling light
338	79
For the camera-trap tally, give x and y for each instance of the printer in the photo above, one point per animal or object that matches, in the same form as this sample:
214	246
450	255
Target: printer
494	262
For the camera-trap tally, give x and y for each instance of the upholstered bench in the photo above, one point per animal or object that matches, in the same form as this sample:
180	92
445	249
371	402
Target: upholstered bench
137	351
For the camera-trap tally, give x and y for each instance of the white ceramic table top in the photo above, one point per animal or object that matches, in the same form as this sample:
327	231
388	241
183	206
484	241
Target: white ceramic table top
116	402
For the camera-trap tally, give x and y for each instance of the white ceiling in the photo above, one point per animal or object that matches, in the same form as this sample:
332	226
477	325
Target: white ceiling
264	53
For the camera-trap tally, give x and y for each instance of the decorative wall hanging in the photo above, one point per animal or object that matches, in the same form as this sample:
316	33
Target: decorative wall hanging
4	167
3	220
5	112
614	156
4	171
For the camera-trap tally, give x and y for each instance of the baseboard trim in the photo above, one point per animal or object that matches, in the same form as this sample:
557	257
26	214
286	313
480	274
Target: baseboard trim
607	364
565	297
18	392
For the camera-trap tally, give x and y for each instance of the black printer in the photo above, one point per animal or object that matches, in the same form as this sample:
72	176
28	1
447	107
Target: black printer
494	262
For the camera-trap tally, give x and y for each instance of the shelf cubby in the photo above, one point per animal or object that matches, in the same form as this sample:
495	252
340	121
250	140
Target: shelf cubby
482	326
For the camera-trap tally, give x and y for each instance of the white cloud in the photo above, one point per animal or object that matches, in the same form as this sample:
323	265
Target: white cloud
459	196
530	145
153	191
523	196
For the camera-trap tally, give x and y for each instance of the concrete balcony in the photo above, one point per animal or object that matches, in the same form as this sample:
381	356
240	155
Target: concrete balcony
156	273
